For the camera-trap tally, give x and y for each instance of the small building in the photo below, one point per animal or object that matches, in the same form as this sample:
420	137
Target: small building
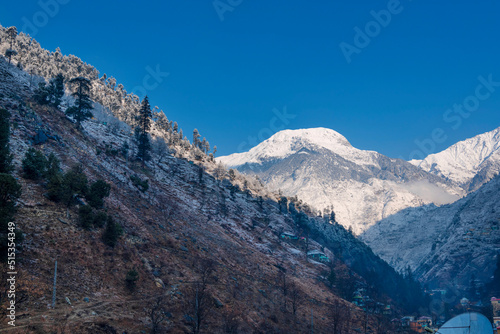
406	320
416	327
496	324
288	236
358	300
441	292
425	321
318	256
495	305
420	324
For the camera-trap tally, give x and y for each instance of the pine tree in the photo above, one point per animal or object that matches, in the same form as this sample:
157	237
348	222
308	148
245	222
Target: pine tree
42	93
196	138
34	164
144	125
205	146
112	232
10	191
332	217
97	192
56	90
9	53
51	93
5	155
74	184
12	33
82	110
54	178
131	279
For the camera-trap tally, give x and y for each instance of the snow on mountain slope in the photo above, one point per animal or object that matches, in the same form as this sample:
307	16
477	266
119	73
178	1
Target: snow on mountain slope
443	244
322	168
469	163
288	142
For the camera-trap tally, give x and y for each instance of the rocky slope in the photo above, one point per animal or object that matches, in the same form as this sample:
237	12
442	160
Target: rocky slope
186	218
444	245
321	167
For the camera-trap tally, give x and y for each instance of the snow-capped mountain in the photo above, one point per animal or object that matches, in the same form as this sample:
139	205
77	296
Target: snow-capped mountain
469	163
288	142
322	168
443	244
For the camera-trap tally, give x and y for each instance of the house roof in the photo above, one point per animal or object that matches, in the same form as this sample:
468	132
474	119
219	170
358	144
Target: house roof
314	252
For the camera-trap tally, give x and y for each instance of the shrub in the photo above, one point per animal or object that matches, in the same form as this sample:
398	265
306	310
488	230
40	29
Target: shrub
124	150
112	232
5	155
98	190
53	166
100	219
131	279
142	185
74	184
34	164
54	178
86	217
55	187
10	191
42	93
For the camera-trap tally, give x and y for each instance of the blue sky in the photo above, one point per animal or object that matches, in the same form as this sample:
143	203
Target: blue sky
227	76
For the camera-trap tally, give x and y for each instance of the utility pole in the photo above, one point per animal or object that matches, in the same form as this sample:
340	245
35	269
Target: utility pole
312	322
196	310
54	290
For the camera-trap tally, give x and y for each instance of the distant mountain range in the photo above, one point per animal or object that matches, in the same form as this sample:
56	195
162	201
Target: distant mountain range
439	215
322	168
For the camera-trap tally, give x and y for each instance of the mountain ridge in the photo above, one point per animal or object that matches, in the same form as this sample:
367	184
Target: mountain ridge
444	245
321	167
464	160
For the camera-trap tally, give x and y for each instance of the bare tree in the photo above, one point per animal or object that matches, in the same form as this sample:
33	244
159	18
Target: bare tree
160	148
200	301
296	297
283	285
156	313
340	317
219	171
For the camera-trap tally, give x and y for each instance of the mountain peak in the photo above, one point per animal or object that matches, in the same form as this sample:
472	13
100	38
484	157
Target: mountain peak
463	161
287	142
322	137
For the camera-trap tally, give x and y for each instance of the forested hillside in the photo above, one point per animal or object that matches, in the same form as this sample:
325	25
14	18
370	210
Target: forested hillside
149	233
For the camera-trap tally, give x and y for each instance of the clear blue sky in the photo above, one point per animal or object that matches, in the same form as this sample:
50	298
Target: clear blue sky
226	76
